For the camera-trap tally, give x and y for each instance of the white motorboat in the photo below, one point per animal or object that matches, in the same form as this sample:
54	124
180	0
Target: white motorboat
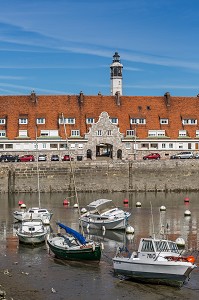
157	260
31	232
103	214
34	213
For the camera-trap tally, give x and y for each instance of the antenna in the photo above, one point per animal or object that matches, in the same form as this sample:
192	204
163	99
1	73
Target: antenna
152	220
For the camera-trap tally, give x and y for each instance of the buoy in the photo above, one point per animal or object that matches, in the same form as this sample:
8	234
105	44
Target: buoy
129	229
125	201
75	205
130	236
20	202
138	204
66	202
162	208
186	199
180	241
23	206
83	210
187	212
191	259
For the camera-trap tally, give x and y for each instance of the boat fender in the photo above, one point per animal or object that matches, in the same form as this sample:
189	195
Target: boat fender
102	246
191	259
93	247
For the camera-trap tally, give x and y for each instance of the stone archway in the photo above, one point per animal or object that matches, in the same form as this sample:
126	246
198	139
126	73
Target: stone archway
104	150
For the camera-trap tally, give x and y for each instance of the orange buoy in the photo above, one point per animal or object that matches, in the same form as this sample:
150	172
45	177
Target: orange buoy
20	202
125	201
191	259
65	202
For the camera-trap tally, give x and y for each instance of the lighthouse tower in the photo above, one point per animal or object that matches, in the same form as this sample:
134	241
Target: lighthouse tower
116	75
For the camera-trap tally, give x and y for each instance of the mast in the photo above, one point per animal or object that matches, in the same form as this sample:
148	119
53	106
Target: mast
71	166
38	179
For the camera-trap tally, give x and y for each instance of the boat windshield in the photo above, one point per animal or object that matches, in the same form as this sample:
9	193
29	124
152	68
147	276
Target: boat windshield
104	207
164	246
147	246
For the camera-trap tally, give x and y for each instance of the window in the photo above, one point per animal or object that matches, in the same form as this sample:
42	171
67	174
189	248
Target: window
23	133
114	120
63	146
9	146
182	133
197	133
40	120
189	121
145	146
72	146
90	121
2	133
164	121
23	121
130	132
99	133
80	146
137	121
127	145
163	146
53	146
44	146
50	133
66	120
156	133
171	146
154	146
75	133
2	121
109	132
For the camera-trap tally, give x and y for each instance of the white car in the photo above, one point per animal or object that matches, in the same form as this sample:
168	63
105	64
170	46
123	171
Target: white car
182	155
42	157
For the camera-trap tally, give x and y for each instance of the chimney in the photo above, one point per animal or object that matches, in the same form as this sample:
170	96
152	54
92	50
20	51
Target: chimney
117	98
33	97
167	98
81	97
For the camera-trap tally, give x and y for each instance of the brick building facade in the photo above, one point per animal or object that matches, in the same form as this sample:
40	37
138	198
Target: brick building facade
118	126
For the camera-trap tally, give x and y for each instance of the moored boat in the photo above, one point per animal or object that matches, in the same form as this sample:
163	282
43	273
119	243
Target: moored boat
73	246
34	213
103	214
31	232
157	260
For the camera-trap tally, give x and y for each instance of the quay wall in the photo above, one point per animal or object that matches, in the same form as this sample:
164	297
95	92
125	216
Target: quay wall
102	176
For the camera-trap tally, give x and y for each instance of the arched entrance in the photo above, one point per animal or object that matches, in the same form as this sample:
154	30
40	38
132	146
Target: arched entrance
119	154
89	153
104	150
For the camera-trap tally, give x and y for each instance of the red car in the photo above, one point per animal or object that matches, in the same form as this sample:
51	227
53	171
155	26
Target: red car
152	156
67	158
26	158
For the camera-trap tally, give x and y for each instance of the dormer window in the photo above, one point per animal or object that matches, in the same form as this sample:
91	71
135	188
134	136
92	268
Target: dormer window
189	121
23	120
40	121
90	120
137	121
66	120
164	121
114	120
2	121
182	133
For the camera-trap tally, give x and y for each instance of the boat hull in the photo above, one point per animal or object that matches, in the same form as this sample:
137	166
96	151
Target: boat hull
172	273
117	224
83	253
31	239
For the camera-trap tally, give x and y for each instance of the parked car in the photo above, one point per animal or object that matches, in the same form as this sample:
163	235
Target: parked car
8	158
182	155
54	157
67	158
152	156
42	157
26	158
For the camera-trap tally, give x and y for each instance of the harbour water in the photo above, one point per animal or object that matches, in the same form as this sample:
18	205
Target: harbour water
77	280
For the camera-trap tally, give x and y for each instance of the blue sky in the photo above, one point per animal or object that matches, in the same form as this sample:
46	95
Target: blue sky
66	46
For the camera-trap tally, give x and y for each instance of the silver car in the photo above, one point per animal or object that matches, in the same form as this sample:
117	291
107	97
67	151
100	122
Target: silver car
183	155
